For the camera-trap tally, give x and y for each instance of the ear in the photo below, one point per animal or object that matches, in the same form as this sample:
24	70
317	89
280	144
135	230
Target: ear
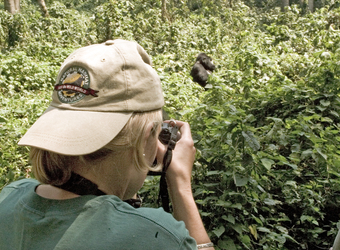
148	132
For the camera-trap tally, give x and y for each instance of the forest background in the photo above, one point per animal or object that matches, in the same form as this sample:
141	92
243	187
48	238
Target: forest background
266	129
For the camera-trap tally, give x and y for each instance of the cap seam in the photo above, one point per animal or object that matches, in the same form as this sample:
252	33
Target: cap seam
125	75
89	110
57	138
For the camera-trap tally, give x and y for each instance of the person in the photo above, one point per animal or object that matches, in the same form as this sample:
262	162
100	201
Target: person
91	151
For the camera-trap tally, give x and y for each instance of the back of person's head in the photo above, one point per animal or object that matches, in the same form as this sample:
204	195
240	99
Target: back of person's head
104	98
55	169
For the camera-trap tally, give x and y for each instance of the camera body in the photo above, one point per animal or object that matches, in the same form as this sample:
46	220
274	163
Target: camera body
169	134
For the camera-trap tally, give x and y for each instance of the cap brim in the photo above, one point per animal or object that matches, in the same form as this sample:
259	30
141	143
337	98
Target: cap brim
72	132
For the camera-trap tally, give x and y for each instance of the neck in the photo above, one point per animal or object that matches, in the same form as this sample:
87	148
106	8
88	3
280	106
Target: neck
107	176
54	193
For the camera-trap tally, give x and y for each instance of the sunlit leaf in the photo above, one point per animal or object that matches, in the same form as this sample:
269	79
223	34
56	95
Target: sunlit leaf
253	231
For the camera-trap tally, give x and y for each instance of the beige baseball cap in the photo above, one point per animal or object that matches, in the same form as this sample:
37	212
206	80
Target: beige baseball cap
97	90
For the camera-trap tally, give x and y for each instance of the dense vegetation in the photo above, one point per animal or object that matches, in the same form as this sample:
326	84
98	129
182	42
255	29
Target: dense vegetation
266	130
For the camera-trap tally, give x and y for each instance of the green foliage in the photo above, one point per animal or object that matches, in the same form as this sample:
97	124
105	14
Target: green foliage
266	130
18	112
20	72
268	147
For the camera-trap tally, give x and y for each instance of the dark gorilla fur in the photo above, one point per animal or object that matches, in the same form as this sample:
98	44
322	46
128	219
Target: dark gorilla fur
201	69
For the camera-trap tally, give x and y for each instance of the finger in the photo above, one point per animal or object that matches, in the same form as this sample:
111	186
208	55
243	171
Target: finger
184	129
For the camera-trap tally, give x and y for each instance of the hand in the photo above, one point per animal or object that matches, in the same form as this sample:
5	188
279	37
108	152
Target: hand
178	178
183	157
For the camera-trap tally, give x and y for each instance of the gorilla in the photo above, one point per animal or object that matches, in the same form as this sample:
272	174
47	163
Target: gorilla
201	69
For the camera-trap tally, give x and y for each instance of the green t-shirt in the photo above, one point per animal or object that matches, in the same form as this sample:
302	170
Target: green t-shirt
28	221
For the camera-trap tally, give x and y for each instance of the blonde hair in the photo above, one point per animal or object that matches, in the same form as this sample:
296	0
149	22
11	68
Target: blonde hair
55	169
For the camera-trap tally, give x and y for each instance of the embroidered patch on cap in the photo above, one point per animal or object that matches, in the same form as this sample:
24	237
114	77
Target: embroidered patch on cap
74	85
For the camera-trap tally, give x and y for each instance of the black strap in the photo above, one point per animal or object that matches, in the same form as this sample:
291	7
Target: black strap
163	186
77	184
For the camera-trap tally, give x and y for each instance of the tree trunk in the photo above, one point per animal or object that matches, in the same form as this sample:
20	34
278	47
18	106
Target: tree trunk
303	6
302	2
164	11
12	6
285	3
43	8
311	5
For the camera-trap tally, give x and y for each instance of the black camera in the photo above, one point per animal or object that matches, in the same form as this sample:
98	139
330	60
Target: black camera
169	134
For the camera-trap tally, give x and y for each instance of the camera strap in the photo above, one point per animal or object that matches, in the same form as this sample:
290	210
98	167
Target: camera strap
78	184
163	186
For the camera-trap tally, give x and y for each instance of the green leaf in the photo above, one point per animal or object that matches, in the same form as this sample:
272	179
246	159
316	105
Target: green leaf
336	114
247	159
237	228
237	205
20	111
296	147
322	154
251	140
2	120
306	153
325	103
215	172
203	214
326	119
223	203
271	202
267	163
229	218
306	218
231	127
321	108
226	244
240	181
263	229
293	166
219	231
245	239
325	55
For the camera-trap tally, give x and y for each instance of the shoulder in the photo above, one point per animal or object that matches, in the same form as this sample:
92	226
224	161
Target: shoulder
152	215
148	224
24	183
149	215
17	188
